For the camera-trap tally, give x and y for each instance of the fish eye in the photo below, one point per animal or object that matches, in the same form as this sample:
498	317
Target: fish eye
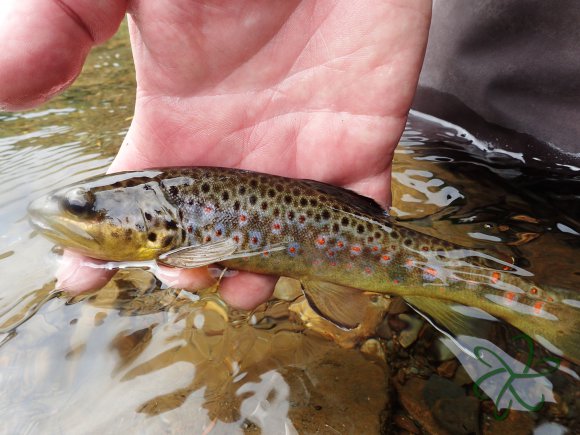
79	201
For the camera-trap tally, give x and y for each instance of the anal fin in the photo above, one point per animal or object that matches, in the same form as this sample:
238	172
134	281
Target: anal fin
446	315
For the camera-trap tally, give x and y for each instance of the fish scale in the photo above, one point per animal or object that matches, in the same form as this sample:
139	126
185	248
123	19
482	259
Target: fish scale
331	239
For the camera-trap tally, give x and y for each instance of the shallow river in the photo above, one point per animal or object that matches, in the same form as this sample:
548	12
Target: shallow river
141	358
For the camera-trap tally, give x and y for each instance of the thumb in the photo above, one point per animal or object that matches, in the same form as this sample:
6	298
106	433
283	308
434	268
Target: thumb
44	44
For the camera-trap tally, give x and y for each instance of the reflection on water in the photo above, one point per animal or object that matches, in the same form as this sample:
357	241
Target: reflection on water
142	357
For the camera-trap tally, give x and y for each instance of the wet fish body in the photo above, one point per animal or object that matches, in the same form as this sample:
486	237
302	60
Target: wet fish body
331	239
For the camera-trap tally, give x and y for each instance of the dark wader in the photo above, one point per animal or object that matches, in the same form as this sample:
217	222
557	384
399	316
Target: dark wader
495	67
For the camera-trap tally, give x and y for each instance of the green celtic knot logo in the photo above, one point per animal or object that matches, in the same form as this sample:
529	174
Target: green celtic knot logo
513	383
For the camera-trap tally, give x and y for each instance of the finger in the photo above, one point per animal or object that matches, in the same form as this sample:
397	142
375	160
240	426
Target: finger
44	45
189	279
247	290
78	274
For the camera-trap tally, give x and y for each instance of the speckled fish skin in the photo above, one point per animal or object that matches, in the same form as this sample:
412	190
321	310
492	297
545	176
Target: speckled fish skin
298	228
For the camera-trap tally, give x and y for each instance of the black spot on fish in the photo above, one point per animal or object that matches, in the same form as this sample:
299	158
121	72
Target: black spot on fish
303	202
344	221
325	215
296	191
377	235
309	213
279	187
317	217
166	241
115	234
313	202
253	183
205	187
394	235
190	202
173	190
264	205
236	205
370	239
170	225
128	232
288	199
276	212
301	218
253	199
225	195
183	234
147	187
369	226
242	190
360	228
271	193
335	227
151	237
147	216
408	242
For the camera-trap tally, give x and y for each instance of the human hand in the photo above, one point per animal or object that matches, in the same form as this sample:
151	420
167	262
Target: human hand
307	89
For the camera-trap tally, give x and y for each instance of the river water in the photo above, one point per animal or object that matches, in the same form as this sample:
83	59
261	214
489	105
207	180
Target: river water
138	357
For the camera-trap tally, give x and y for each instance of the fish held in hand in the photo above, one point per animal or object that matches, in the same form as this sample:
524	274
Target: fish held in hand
337	243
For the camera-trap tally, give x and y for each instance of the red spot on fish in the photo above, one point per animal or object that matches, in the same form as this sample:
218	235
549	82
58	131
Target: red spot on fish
534	290
236	239
266	253
243	218
507	268
218	233
385	258
207	238
396	281
510	296
368	270
255	240
333	263
321	241
330	253
355	250
302	219
207	209
495	276
409	263
340	244
189	229
375	248
276	226
538	306
424	248
550	299
431	271
292	250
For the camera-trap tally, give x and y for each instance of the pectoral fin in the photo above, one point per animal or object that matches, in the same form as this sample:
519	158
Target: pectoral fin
190	257
343	306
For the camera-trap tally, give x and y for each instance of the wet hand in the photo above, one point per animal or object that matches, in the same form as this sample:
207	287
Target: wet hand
312	89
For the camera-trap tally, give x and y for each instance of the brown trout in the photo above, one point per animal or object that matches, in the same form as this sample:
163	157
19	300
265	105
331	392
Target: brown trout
336	242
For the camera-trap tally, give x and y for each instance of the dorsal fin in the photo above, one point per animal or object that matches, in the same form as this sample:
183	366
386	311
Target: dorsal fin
363	203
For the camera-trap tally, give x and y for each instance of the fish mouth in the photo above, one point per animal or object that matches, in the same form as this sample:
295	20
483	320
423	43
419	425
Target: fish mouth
46	216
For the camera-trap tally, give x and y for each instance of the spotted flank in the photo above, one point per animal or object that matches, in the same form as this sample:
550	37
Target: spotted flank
336	242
